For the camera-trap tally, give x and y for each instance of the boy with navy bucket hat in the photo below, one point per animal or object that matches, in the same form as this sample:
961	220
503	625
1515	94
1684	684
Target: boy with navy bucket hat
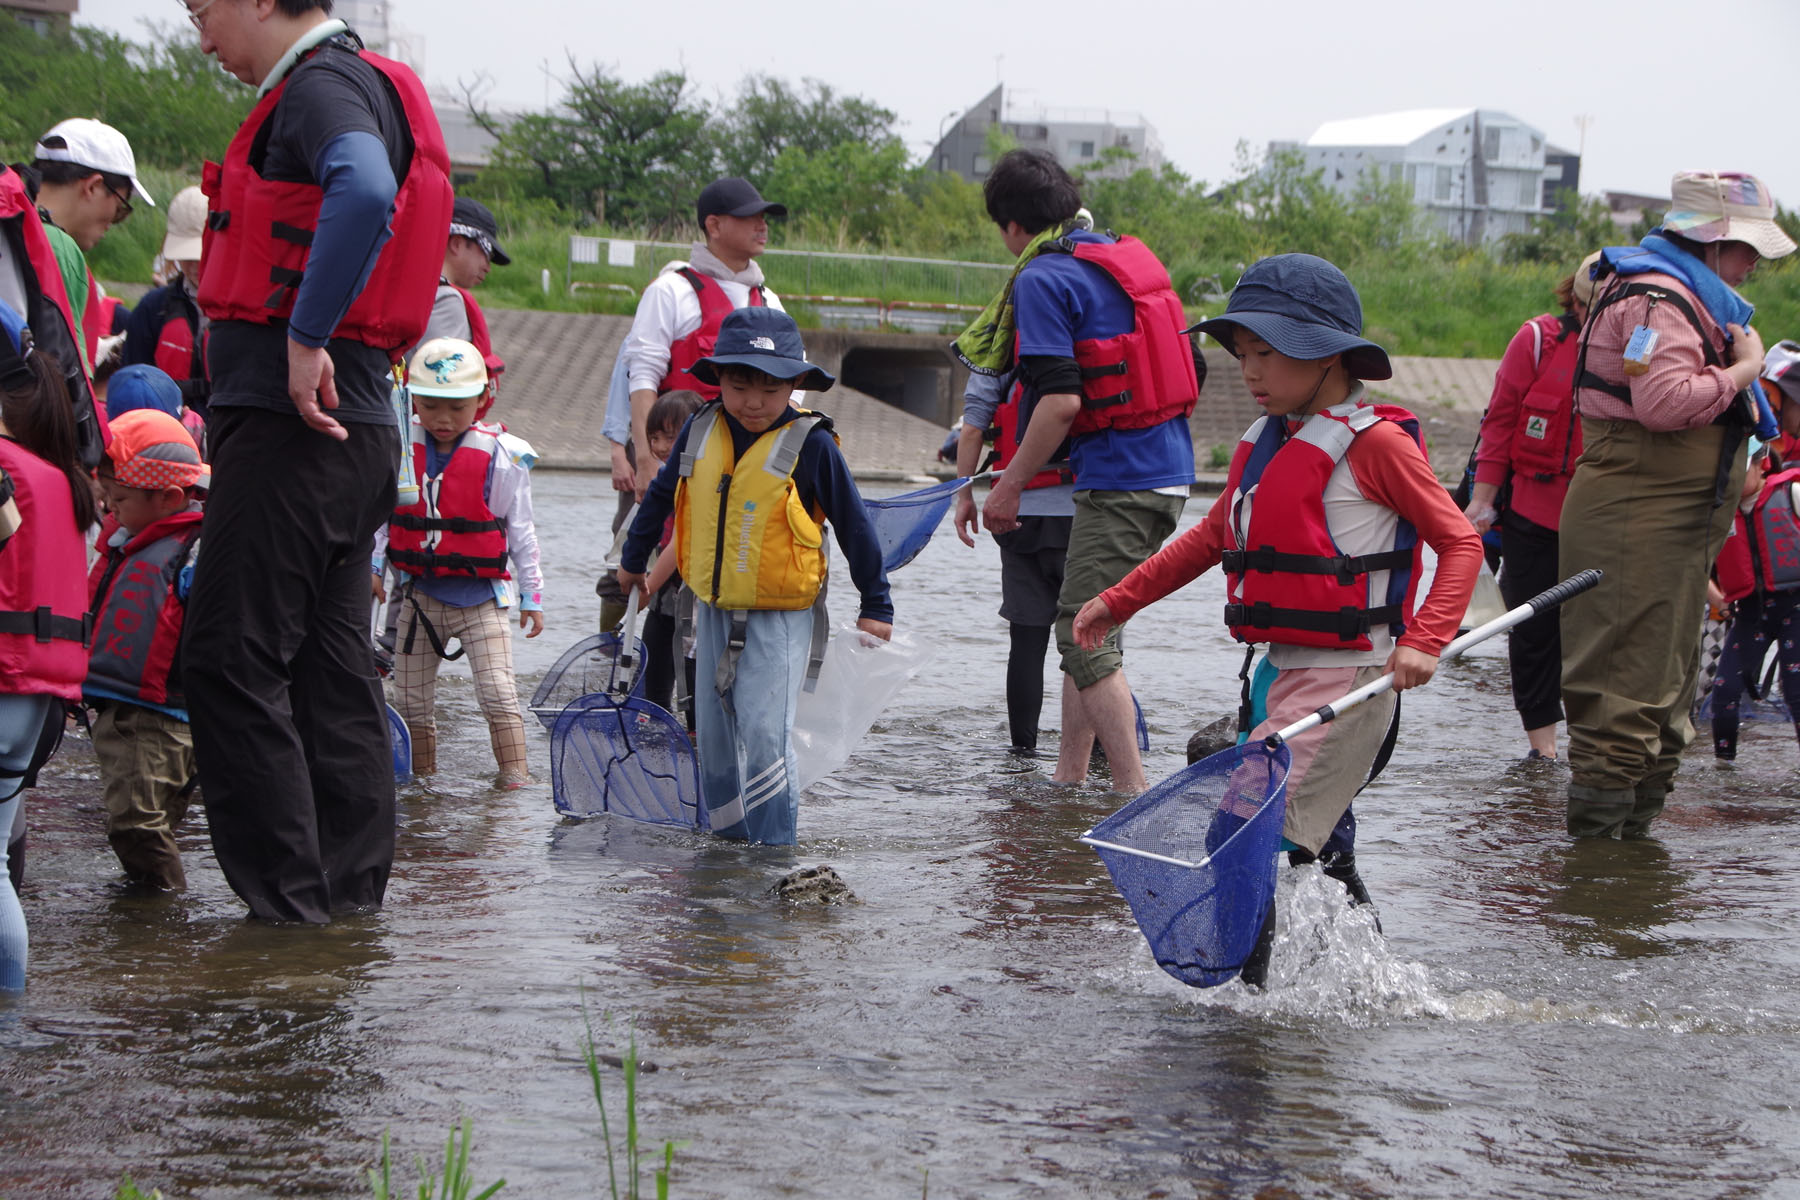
1319	530
752	481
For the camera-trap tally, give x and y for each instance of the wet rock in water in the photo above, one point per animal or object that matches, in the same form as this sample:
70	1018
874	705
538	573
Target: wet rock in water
813	885
1210	739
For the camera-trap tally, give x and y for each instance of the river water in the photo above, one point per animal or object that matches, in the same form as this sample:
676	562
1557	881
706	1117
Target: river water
1542	1019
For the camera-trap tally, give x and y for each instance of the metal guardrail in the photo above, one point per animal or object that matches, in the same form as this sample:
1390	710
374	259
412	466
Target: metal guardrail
884	279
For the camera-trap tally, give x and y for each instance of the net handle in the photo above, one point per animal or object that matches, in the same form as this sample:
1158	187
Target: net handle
624	672
1549	598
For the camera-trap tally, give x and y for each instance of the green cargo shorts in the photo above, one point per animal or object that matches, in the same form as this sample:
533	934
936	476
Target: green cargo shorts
1113	533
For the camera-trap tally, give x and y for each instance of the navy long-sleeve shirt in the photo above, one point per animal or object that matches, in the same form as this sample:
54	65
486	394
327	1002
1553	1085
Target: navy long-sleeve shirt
823	479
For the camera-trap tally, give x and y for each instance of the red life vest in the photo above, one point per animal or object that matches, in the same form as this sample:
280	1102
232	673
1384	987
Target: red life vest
51	319
1546	437
137	613
44	622
1006	444
177	350
1763	551
1288	582
684	352
259	231
1139	379
451	530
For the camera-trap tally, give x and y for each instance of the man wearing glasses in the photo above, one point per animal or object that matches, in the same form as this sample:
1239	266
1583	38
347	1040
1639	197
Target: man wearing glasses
88	176
325	230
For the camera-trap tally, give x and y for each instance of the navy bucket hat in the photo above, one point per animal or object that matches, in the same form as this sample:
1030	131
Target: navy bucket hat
1305	308
766	339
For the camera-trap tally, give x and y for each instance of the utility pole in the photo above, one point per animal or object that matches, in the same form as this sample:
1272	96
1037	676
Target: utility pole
1582	121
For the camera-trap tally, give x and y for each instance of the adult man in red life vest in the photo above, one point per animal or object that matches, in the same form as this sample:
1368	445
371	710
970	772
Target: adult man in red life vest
678	315
336	192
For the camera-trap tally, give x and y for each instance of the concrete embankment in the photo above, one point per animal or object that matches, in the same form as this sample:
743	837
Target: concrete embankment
558	365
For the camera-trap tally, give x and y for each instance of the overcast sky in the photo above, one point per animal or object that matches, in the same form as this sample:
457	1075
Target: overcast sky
1204	74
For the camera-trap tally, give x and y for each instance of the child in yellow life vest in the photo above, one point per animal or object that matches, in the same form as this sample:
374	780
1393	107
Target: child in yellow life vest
752	482
452	545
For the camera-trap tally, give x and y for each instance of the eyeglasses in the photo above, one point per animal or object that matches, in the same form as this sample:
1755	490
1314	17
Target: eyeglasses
197	15
124	201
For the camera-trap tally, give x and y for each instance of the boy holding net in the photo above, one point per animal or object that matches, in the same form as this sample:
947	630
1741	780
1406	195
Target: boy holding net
1319	529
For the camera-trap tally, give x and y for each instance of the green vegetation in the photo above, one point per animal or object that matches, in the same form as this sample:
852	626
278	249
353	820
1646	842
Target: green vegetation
626	159
628	1064
456	1182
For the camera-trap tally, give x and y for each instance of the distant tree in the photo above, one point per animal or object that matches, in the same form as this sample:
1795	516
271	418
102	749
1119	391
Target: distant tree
1576	229
173	103
630	154
771	117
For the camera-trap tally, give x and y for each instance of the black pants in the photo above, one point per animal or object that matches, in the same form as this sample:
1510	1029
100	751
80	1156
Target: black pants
1534	648
290	733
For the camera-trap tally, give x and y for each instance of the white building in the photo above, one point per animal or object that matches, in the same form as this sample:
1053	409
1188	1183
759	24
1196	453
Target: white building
1475	173
1079	138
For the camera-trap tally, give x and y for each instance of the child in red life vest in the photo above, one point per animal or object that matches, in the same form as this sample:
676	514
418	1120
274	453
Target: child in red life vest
1329	496
472	515
138	593
1758	569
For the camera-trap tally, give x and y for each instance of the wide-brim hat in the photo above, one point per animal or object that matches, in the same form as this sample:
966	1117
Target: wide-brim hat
448	367
1715	206
1305	308
767	340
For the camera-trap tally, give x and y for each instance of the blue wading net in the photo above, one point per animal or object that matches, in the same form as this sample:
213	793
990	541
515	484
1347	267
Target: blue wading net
903	524
589	666
1222	815
628	757
400	741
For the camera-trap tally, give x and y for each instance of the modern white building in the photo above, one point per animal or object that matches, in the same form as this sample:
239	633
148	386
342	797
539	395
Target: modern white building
1080	138
1476	173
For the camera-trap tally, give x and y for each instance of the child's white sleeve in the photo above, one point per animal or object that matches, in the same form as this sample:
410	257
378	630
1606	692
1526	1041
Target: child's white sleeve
510	500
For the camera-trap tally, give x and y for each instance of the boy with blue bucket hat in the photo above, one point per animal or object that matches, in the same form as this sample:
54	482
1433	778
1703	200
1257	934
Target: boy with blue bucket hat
752	481
1320	527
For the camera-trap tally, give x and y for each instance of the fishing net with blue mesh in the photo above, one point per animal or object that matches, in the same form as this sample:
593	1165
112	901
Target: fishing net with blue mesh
1195	857
905	523
591	666
624	756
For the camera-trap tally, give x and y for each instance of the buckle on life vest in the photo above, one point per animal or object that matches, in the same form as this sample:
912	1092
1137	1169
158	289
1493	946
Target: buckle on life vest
218	221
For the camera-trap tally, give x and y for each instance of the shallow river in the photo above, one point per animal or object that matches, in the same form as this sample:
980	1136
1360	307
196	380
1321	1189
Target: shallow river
1542	1020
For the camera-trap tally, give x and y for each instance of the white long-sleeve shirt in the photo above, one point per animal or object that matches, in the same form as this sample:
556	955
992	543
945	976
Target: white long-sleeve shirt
668	311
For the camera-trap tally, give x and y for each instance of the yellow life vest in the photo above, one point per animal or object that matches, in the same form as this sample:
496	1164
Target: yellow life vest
743	538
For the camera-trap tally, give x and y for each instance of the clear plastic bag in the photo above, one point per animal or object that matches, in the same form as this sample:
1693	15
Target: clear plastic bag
860	677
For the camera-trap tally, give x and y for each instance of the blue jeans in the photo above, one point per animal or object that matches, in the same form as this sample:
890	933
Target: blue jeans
748	778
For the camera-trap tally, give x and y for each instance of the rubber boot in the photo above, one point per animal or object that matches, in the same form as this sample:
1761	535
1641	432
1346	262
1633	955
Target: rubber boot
1599	812
1341	866
424	749
1648	805
1255	971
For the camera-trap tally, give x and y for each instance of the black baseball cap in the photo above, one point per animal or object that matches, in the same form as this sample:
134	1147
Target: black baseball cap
734	197
472	220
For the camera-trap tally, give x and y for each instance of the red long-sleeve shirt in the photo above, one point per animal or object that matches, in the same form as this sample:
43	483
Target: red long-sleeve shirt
1387	469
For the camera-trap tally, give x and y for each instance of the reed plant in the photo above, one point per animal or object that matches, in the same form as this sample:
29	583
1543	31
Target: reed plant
629	1066
456	1183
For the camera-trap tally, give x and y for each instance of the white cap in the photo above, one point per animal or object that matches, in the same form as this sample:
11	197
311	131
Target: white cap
94	144
447	367
187	226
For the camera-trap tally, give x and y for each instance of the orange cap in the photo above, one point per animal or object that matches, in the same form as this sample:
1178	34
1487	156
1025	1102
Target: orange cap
152	450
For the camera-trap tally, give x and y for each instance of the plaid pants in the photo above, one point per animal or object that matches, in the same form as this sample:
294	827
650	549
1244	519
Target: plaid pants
485	634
